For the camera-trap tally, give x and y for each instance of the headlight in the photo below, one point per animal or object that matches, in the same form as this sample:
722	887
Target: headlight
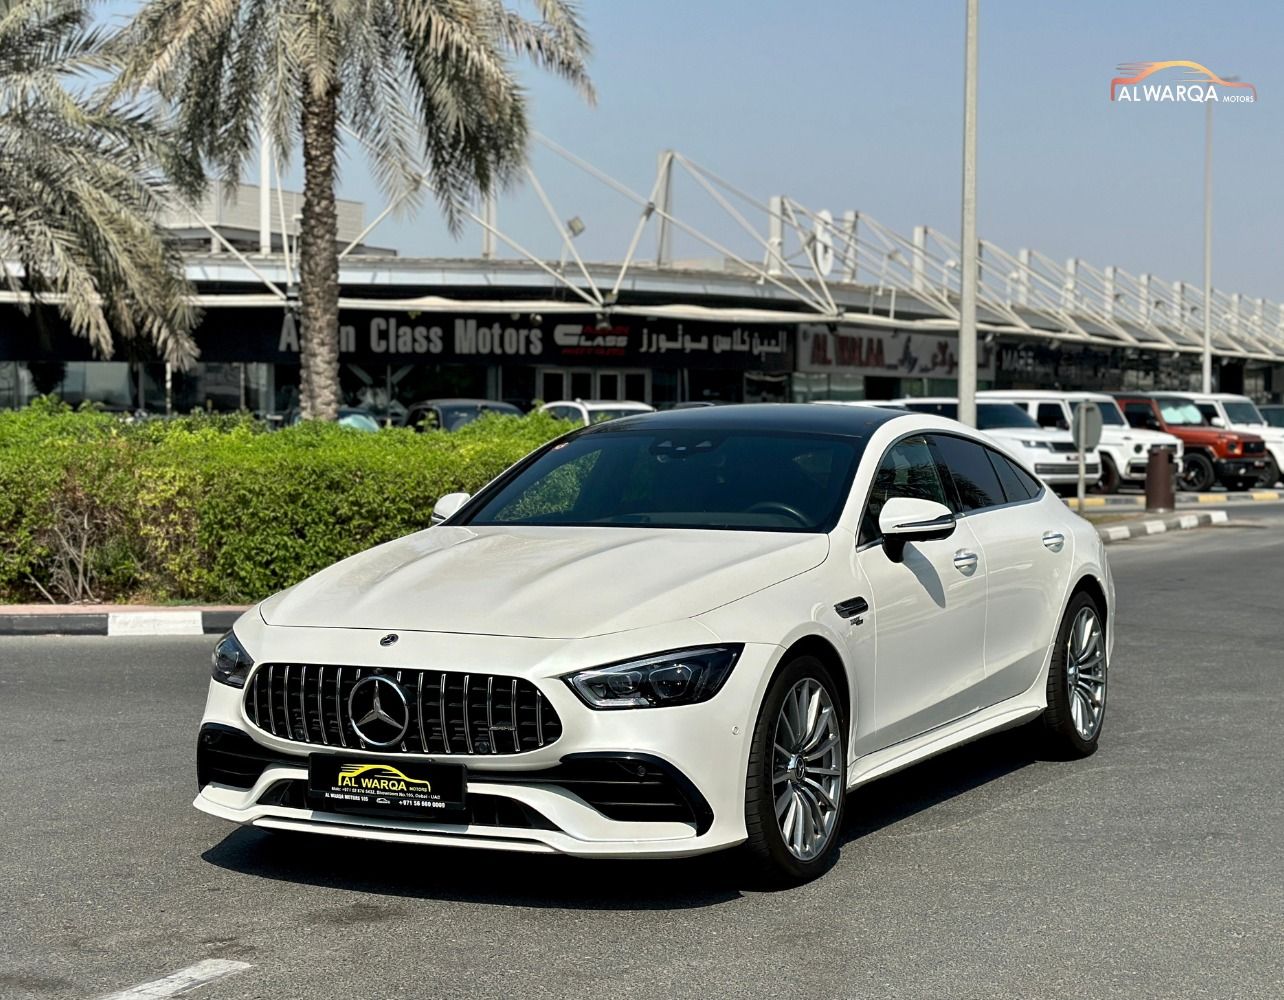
231	662
1232	445
1036	444
683	677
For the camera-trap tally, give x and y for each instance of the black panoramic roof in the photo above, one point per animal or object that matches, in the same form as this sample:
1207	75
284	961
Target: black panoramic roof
803	418
461	401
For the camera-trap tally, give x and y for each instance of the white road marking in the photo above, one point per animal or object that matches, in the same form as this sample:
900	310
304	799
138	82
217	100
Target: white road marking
1190	520
1218	517
182	981
1155	527
1118	534
154	623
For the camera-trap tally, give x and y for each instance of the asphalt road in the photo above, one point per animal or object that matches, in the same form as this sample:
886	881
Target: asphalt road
1154	869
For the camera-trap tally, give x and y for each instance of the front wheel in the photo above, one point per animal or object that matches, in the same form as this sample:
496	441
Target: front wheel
1077	680
1109	481
797	776
1270	475
1197	473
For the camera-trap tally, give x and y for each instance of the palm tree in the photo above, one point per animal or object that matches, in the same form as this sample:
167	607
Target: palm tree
426	86
80	189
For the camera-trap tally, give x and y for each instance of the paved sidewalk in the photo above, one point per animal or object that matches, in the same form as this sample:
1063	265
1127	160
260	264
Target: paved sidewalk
116	619
1138	501
1158	525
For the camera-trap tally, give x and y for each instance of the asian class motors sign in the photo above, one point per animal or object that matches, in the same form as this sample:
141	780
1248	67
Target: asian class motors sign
893	353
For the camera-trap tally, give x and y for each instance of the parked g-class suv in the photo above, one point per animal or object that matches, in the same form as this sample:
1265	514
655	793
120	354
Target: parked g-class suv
1125	450
1212	454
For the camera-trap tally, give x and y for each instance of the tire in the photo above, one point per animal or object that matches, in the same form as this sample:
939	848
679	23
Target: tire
1109	481
1197	474
1077	687
768	854
1270	475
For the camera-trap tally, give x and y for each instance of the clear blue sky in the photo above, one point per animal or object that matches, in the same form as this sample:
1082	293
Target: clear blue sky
857	104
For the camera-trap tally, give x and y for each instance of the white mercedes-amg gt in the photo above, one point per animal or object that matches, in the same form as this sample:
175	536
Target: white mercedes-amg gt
669	634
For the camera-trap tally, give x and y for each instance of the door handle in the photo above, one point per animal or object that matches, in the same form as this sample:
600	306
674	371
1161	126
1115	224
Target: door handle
850	609
1054	540
965	561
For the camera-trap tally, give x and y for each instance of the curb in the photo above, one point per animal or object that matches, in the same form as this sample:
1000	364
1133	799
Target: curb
133	623
1182	522
1135	500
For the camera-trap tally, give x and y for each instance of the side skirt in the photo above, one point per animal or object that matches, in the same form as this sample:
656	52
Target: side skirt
1005	715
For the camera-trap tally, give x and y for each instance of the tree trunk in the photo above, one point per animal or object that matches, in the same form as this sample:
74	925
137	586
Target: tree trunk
319	260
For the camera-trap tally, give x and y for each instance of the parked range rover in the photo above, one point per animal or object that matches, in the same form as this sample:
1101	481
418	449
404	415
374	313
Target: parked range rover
1051	453
1125	450
670	634
1213	454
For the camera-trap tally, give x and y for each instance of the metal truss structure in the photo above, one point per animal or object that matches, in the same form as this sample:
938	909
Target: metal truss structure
772	259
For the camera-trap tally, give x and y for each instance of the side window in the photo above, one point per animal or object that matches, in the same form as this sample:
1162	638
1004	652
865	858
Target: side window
1138	414
1208	411
976	484
1017	483
907	470
1052	415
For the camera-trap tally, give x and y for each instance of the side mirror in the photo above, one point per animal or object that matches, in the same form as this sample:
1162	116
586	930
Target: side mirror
1217	421
447	506
907	519
1152	423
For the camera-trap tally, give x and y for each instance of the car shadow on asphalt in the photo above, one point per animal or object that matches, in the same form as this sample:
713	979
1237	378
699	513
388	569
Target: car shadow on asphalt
536	880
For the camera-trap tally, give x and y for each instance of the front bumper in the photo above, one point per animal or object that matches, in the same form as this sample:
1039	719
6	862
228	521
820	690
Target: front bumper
1066	473
1239	469
660	782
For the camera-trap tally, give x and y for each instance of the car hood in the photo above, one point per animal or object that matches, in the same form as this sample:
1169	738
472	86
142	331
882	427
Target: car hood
1275	435
1140	435
553	583
1029	434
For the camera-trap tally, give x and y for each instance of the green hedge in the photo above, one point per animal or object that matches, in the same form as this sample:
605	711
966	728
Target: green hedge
215	508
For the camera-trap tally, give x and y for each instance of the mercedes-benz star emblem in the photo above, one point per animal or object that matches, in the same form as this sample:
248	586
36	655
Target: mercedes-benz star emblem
388	639
379	711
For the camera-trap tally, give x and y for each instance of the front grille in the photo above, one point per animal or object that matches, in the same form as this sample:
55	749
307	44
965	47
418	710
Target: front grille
449	713
1254	447
1049	469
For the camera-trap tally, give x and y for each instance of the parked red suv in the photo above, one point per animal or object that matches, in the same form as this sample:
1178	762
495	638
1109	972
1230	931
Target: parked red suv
1213	455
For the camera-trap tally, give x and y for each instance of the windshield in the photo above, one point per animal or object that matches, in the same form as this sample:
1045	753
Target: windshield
1180	413
605	413
988	415
1274	415
1242	412
1110	415
358	421
745	480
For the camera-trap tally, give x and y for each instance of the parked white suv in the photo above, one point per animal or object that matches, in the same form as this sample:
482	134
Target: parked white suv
1125	451
1049	453
1239	413
594	411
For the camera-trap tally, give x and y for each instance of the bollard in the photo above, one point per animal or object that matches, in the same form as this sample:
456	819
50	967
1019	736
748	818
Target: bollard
1159	481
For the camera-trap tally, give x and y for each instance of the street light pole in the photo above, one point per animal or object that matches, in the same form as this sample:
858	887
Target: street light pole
1208	248
967	298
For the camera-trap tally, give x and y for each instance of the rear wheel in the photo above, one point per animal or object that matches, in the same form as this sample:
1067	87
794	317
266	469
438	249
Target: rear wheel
797	776
1077	680
1197	474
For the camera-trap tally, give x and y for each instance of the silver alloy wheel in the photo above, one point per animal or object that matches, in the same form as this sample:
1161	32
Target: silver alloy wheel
807	769
1086	672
